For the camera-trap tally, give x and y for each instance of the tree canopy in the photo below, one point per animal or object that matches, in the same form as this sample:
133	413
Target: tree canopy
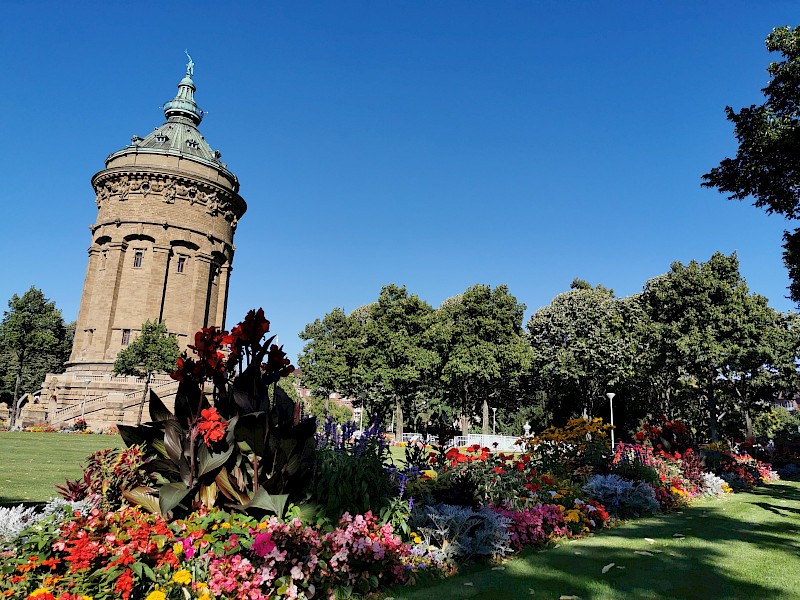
767	163
34	341
154	350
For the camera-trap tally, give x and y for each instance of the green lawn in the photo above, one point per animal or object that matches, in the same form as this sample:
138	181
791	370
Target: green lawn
745	546
32	464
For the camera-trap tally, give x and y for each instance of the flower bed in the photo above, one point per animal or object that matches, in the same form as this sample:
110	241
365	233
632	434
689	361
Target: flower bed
247	498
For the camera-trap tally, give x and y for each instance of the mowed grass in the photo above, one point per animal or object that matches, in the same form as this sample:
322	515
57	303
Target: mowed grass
32	464
745	546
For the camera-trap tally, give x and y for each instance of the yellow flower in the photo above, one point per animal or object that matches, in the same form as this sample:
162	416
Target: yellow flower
263	525
225	525
86	598
39	592
572	515
204	597
183	577
177	548
156	595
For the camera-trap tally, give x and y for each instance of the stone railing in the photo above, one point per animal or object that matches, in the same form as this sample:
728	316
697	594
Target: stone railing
98	403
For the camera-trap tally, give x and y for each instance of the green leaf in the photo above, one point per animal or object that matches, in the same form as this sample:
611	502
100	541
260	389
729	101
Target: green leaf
274	503
170	495
142	496
158	410
209	462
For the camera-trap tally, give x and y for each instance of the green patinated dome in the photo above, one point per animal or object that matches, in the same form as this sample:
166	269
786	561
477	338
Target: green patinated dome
179	135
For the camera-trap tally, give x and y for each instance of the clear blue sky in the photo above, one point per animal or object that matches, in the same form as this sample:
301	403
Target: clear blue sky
431	144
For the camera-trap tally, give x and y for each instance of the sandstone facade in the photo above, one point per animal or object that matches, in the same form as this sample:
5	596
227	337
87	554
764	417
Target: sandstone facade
161	248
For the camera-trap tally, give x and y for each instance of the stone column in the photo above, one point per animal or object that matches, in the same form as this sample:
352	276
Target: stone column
105	300
200	289
159	272
222	294
81	344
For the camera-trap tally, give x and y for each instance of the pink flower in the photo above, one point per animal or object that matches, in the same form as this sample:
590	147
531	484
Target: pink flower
263	544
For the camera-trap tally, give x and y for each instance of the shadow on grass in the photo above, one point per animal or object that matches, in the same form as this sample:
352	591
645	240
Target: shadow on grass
10	502
730	550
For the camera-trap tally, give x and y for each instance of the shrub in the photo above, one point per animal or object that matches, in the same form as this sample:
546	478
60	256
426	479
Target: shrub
535	525
575	451
636	470
106	475
351	477
16	519
461	531
711	485
622	497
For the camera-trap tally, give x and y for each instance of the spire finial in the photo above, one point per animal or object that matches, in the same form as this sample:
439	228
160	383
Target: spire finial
189	65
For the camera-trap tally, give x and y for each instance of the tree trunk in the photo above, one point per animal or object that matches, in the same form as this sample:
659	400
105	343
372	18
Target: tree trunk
748	424
712	411
465	416
14	407
398	434
144	397
485	427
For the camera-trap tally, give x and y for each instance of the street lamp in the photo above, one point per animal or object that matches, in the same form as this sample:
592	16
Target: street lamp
494	419
86	381
610	396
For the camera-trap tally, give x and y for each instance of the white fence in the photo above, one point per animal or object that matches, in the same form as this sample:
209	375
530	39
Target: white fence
504	443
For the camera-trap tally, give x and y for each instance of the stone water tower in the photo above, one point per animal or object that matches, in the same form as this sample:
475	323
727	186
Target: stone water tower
161	248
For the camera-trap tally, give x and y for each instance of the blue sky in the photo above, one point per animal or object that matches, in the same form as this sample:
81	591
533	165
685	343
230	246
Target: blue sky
431	144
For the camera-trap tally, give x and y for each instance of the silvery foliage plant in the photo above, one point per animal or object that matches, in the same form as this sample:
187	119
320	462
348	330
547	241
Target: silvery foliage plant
461	531
622	497
16	519
711	485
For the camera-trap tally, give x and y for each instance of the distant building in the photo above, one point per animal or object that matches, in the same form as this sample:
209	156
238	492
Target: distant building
788	400
161	249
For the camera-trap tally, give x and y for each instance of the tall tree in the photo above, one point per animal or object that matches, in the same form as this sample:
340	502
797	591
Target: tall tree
764	359
154	350
331	358
478	337
581	347
33	338
397	363
698	309
767	163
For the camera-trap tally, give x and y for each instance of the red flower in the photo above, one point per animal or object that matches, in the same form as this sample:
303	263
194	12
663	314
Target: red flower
211	426
277	362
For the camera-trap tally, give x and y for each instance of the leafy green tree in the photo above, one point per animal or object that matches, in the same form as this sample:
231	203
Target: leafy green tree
582	347
767	164
764	359
478	338
697	310
33	341
153	351
397	364
331	361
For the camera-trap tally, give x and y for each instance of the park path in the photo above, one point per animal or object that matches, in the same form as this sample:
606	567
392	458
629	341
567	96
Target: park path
742	547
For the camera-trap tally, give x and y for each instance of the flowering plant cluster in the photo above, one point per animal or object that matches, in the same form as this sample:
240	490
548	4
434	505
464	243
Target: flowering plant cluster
669	435
740	470
131	554
534	526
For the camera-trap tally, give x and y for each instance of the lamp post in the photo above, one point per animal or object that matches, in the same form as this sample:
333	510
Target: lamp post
86	382
494	419
610	396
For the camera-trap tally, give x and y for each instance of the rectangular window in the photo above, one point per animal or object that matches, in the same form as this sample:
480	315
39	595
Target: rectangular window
181	263
137	259
126	337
